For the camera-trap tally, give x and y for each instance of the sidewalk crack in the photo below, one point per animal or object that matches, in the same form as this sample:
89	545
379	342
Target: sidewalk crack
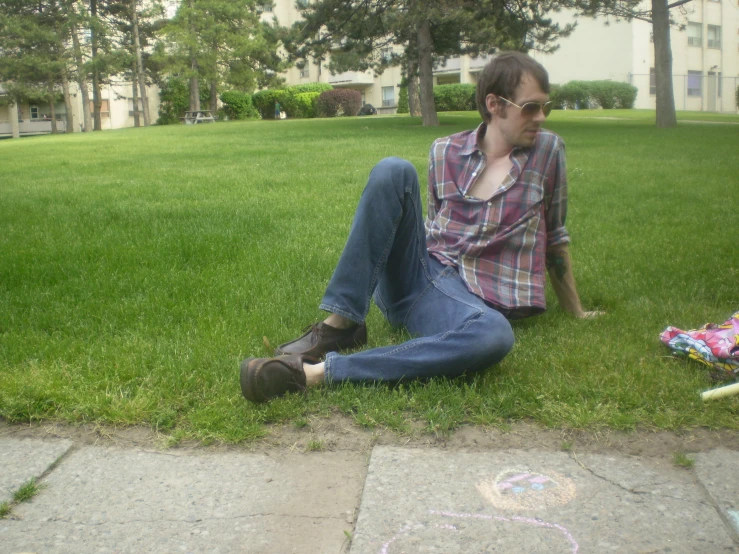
634	491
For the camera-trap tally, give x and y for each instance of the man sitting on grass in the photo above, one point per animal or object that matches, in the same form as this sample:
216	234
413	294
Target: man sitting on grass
497	201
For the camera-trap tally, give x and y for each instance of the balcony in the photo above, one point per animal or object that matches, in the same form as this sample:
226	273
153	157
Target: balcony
476	64
32	127
452	65
349	78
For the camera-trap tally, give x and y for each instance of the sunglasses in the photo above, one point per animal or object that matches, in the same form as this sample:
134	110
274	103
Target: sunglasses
530	109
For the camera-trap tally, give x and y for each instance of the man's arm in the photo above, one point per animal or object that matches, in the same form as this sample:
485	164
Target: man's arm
559	268
432	203
559	265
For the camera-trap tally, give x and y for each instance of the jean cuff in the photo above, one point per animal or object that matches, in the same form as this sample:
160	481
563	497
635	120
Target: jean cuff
338	311
327	363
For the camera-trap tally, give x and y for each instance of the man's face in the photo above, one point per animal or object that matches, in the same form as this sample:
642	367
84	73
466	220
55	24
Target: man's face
516	128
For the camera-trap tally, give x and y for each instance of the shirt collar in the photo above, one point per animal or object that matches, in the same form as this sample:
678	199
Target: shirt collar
473	140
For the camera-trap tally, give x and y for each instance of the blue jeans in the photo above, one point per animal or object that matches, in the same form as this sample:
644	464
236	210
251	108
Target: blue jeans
385	257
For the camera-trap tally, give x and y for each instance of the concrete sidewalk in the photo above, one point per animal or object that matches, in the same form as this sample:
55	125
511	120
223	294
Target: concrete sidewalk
109	499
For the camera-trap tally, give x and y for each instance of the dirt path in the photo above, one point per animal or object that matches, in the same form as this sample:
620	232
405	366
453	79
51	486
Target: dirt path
339	433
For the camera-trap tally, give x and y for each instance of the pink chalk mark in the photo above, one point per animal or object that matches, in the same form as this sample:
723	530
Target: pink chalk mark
540	479
517	478
527	520
503	486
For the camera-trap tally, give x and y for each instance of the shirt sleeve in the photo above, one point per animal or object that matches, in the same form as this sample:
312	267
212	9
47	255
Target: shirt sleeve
556	212
433	202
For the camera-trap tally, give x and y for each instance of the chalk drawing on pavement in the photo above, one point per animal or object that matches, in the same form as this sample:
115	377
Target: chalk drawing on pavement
734	516
454	523
516	489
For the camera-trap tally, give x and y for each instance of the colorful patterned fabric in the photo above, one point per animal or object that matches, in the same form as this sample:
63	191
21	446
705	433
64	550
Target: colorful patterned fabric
498	244
715	345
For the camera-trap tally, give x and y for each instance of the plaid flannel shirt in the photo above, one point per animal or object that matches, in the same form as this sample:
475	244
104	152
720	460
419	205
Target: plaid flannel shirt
499	244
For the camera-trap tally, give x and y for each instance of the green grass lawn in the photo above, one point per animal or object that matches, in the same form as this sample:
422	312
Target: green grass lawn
138	267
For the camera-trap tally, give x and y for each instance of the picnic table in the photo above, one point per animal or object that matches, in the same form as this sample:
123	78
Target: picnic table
198	116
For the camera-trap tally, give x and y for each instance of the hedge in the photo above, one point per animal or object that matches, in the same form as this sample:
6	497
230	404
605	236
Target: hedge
296	104
264	101
403	100
238	105
174	99
454	98
448	98
340	101
297	101
592	94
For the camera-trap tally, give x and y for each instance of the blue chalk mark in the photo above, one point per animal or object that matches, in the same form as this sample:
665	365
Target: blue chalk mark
518	489
734	515
537	487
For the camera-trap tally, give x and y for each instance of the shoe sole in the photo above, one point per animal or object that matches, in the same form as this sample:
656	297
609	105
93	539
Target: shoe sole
248	383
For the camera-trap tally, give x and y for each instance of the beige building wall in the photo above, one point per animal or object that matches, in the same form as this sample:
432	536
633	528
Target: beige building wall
705	76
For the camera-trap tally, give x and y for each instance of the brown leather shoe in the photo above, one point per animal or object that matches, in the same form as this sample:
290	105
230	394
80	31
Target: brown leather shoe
321	338
263	379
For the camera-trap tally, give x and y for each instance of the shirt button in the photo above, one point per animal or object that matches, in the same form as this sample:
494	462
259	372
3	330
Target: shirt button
485	228
490	203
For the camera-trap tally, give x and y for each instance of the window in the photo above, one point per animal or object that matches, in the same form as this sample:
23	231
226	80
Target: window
714	36
695	82
695	34
104	108
652	81
34	112
387	54
388	96
305	72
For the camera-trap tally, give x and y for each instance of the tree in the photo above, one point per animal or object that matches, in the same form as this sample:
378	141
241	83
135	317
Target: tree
32	40
659	17
224	42
354	32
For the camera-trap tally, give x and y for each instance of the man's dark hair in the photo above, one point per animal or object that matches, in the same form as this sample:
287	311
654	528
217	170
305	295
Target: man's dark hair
502	75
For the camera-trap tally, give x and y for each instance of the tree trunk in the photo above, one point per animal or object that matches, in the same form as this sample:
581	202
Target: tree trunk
140	66
426	74
134	87
663	64
52	106
13	118
97	102
194	89
414	100
69	124
81	80
213	97
194	84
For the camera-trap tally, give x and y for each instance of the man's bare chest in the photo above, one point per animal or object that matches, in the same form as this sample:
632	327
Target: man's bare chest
492	178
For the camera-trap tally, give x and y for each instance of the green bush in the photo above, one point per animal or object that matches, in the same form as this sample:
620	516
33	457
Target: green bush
737	97
301	105
454	98
238	105
264	101
174	99
592	94
403	100
576	95
297	105
309	87
555	97
340	101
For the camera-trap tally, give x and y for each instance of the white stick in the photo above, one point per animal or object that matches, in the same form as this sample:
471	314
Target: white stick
720	392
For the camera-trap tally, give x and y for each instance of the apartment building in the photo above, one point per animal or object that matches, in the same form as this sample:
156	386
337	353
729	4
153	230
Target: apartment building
705	59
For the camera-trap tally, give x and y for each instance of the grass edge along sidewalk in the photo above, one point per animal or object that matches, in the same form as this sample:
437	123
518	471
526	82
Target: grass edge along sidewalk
141	265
